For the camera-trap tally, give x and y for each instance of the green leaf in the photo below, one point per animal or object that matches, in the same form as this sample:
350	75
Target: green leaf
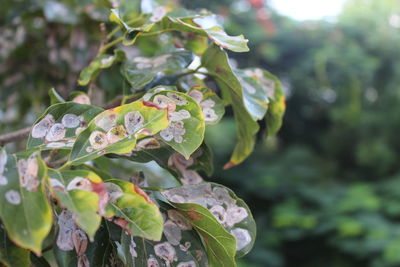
12	255
276	108
202	25
100	62
212	106
134	210
68	119
116	130
185	132
142	70
216	62
24	209
83	201
55	98
180	244
231	212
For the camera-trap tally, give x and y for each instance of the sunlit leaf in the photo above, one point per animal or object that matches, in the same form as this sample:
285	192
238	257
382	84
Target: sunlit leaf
59	125
133	210
81	192
116	130
24	209
142	70
100	62
185	132
216	62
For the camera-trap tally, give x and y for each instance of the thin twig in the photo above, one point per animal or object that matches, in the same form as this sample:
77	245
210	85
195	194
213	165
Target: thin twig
14	136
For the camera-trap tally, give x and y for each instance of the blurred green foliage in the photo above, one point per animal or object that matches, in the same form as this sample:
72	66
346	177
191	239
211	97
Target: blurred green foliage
326	192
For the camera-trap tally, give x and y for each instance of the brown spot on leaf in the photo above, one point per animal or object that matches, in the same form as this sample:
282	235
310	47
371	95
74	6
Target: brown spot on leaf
151	104
142	193
193	214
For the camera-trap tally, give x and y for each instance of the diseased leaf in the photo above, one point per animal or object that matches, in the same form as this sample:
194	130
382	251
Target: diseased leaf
201	25
116	130
179	245
81	192
59	125
12	255
24	208
185	131
100	62
230	211
133	210
142	70
216	62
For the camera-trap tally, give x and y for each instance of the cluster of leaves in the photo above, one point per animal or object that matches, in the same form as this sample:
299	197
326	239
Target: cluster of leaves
57	195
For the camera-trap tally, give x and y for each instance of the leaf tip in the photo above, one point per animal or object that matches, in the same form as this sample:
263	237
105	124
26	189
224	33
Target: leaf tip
229	165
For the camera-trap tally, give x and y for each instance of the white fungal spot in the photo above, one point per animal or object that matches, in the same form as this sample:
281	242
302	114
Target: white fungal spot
185	247
175	131
81	99
196	95
56	132
219	213
3	160
56	184
79	130
27	173
208	103
134	121
164	102
235	215
187	264
152	262
177	199
209	115
158	13
165	251
114	192
89	149
116	134
56	144
66	226
179	100
42	127
80	183
242	236
179	220
222	195
70	121
132	250
98	140
70	144
191	177
13	197
179	115
172	232
106	120
3	180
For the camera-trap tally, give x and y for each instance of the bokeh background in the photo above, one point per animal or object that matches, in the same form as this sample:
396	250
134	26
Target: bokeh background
326	190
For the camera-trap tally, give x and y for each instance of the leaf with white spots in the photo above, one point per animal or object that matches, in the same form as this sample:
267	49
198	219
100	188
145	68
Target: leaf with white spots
180	245
216	62
142	70
83	193
24	209
231	212
117	130
185	131
133	210
212	106
100	62
58	127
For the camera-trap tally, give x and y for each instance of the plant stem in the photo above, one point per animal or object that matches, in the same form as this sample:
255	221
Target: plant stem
110	44
14	136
